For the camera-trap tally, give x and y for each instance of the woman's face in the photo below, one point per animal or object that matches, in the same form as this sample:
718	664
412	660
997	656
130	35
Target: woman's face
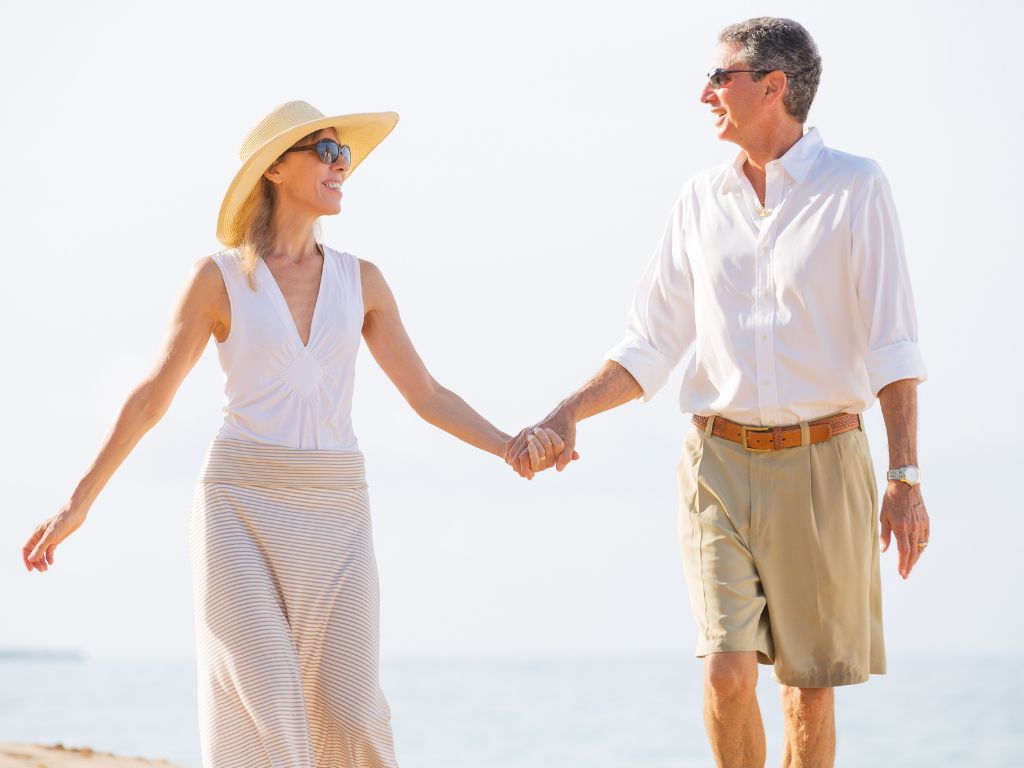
306	184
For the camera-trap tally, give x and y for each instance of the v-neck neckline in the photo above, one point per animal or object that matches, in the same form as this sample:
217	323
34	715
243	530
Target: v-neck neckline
289	318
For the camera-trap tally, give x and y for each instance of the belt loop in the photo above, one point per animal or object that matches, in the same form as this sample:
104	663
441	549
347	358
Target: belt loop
860	421
709	426
805	433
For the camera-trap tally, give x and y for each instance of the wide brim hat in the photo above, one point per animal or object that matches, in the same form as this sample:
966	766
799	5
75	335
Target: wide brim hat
277	132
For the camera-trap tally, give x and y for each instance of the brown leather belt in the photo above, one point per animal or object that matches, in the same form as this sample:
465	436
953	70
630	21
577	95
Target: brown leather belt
776	438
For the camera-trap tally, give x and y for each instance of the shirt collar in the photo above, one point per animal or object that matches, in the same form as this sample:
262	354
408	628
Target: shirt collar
796	162
801	156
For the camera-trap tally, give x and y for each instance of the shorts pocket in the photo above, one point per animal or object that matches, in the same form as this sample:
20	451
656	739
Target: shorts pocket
688	468
869	467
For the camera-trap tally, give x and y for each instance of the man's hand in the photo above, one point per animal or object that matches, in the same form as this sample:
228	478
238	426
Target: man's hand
609	388
903	514
550	443
903	511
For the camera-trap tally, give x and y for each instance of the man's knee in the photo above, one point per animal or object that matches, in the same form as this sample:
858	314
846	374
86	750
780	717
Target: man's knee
805	704
730	675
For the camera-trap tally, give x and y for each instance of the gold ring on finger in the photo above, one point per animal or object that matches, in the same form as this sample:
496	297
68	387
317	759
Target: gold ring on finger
922	544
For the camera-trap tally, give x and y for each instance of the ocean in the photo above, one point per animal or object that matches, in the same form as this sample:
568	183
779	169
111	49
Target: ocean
542	713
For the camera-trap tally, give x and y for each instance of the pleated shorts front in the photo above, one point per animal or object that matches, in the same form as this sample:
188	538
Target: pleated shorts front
782	558
287	610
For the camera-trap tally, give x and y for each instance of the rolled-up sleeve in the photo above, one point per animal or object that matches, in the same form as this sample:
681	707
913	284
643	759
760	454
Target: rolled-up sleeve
661	327
883	287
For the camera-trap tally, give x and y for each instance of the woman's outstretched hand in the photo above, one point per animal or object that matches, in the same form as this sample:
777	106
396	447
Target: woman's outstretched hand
38	550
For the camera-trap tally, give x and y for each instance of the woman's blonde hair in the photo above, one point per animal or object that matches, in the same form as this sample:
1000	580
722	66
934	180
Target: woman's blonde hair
256	217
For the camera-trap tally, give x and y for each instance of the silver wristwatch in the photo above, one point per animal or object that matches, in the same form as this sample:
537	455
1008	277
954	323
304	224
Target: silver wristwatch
909	474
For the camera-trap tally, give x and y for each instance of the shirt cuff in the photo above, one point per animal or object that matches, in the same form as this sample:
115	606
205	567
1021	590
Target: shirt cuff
901	360
645	364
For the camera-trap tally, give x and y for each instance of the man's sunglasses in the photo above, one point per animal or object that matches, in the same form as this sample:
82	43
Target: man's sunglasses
328	150
720	77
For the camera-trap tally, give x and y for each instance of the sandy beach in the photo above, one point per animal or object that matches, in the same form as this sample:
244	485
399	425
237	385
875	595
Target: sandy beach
58	756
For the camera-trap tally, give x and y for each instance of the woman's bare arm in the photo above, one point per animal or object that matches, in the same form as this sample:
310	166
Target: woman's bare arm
391	347
202	309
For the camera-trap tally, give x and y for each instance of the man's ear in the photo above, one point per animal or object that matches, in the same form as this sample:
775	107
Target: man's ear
774	84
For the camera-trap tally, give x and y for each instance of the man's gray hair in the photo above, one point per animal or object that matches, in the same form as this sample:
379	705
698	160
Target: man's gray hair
769	43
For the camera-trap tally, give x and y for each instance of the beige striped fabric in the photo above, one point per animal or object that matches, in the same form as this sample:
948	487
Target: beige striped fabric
286	606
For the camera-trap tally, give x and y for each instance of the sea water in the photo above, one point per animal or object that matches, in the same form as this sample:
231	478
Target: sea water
543	713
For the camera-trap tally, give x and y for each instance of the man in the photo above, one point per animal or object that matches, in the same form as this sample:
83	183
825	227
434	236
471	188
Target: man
782	275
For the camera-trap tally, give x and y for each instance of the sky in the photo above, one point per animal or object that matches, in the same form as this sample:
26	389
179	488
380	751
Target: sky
513	209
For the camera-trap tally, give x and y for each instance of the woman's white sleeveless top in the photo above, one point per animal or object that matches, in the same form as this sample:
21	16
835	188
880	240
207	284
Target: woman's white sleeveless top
278	391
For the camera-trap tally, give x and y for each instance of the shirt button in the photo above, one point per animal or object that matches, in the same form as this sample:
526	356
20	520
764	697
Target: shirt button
764	248
764	383
763	337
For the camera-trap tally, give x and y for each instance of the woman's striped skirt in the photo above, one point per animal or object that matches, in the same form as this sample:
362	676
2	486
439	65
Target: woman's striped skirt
286	607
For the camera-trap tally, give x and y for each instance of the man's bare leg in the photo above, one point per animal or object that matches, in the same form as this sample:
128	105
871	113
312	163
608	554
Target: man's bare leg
810	727
731	714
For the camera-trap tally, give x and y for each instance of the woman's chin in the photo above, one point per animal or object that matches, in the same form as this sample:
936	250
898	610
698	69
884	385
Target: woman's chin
330	210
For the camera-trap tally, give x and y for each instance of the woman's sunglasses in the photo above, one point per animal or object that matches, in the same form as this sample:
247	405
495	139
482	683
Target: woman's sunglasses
328	150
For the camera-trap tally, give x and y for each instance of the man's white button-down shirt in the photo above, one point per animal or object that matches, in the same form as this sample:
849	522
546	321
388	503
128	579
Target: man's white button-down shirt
788	312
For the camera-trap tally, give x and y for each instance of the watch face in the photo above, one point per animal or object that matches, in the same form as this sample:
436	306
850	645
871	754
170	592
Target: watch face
912	474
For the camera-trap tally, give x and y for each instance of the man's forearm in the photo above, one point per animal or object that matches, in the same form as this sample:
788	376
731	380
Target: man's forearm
610	387
899	410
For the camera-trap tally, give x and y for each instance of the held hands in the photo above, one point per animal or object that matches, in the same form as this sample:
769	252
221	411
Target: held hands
38	550
551	443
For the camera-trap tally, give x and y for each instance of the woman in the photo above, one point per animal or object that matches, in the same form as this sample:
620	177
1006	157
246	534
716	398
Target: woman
284	576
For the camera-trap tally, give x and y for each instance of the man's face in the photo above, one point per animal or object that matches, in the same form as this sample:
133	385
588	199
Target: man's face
738	106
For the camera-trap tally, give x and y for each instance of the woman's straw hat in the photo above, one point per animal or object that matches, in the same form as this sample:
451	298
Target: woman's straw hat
280	130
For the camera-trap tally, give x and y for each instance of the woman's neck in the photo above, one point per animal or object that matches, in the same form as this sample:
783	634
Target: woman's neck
293	237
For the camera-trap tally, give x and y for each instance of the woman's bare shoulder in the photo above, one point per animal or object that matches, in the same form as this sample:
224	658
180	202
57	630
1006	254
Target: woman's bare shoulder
368	271
376	292
206	293
206	276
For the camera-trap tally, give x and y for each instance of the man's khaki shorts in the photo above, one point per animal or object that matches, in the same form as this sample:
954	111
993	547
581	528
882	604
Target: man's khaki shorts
781	555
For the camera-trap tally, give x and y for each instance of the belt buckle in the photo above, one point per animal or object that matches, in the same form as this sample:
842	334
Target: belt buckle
744	430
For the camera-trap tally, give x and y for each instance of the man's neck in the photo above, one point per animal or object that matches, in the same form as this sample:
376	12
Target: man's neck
769	144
